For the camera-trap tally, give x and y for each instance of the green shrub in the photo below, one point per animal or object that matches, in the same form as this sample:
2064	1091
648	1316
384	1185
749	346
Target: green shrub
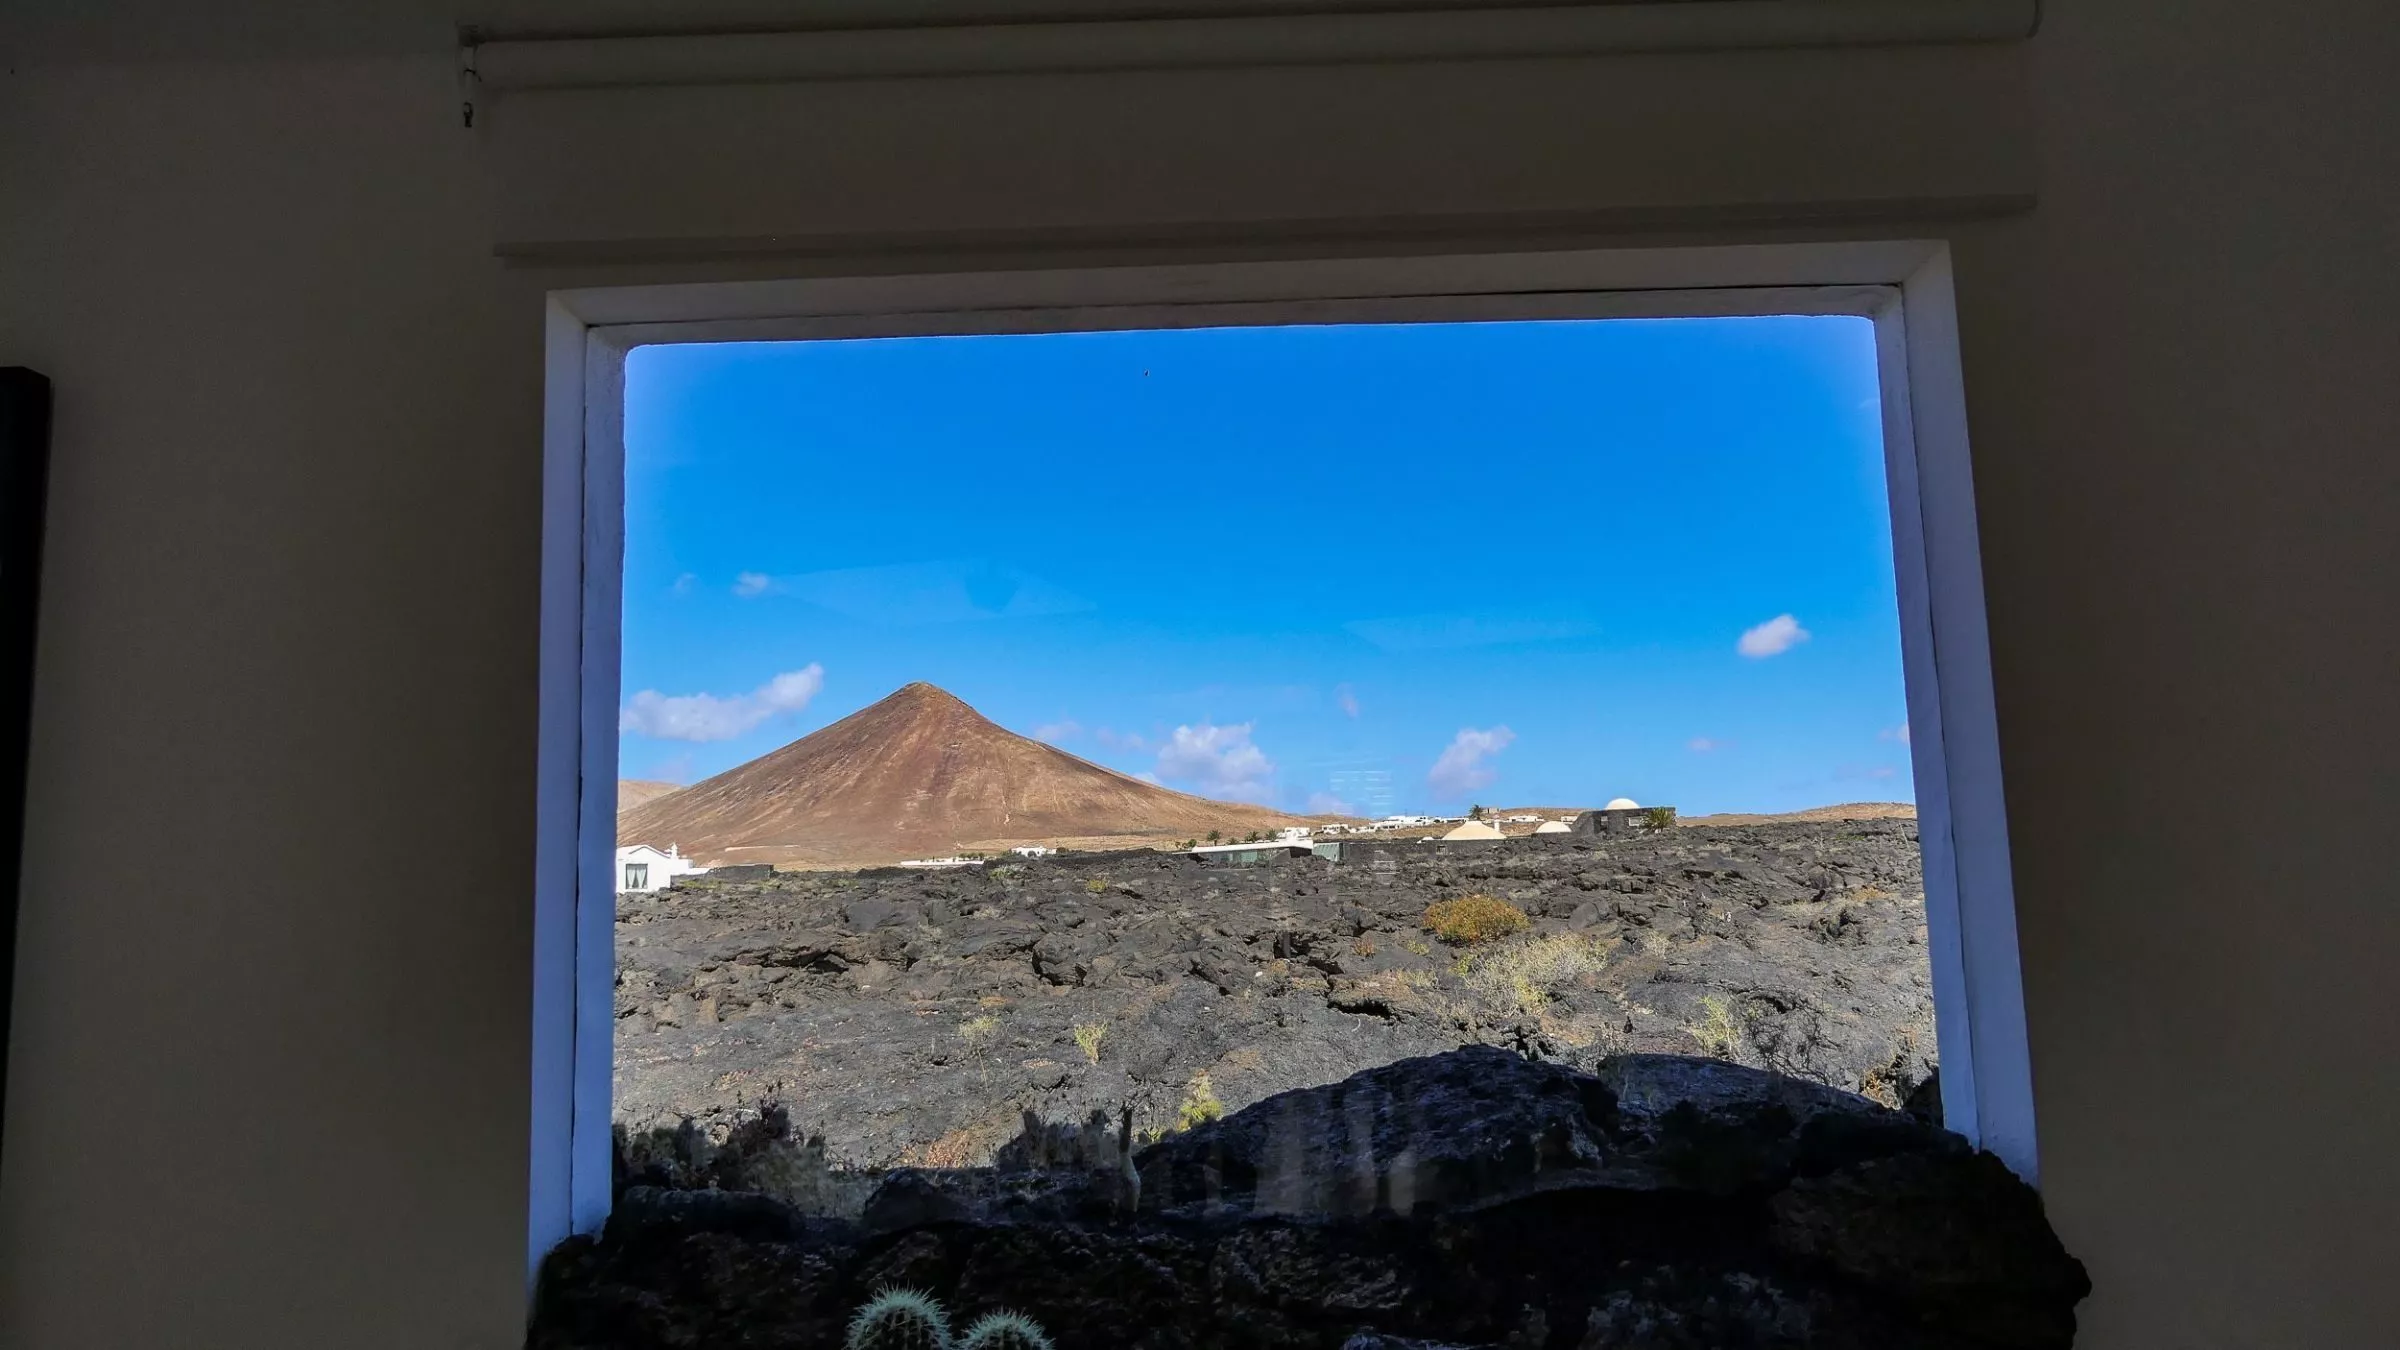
1095	886
1200	1104
978	1032
1521	978
1720	1032
1659	817
1474	918
1088	1036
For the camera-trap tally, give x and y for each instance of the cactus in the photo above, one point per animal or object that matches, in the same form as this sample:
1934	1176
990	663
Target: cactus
1005	1331
899	1319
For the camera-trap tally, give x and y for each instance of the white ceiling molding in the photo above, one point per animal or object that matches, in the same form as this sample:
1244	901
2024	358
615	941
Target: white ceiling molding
531	61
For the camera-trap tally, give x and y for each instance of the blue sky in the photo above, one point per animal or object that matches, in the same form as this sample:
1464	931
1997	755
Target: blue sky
1398	567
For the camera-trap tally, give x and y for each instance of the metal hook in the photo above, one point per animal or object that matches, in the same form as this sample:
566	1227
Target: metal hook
469	79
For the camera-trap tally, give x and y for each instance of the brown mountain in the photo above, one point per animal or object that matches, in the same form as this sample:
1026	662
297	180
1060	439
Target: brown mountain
633	792
1842	811
921	774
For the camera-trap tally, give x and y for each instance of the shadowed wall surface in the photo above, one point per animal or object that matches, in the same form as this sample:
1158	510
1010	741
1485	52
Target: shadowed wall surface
268	1087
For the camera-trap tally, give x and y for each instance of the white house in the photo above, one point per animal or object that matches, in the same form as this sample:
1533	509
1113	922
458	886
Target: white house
1032	851
643	868
1250	853
1292	834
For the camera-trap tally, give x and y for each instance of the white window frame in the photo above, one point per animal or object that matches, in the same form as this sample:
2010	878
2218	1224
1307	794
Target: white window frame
1903	286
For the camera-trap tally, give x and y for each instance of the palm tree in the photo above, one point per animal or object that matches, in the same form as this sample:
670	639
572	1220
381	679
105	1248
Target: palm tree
1214	836
1475	813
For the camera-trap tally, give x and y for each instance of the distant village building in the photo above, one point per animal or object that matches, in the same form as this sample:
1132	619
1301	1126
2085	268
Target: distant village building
1292	834
1033	851
1625	819
1252	854
641	868
941	862
1472	830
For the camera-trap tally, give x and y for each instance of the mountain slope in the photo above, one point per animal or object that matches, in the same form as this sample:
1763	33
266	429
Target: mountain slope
1842	811
920	774
633	792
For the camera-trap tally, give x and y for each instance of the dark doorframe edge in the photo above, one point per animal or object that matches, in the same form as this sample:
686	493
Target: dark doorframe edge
24	492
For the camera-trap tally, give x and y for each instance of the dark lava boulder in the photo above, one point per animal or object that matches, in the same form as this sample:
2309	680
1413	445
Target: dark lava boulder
1479	1127
1468	1199
1476	1126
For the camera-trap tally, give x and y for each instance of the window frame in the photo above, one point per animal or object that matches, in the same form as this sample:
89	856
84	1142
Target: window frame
1903	286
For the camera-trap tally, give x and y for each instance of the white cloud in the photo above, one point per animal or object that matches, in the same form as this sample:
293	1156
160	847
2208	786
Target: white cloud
1326	804
706	717
1772	638
1055	732
685	584
1121	740
1898	733
751	585
1461	768
1217	762
1701	745
1346	698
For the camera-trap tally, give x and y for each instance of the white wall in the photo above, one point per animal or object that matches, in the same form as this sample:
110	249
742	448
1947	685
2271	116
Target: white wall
298	442
663	868
288	615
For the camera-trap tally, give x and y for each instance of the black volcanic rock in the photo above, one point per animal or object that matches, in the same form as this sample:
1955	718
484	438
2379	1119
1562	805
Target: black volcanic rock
912	1016
1659	1205
1477	1126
